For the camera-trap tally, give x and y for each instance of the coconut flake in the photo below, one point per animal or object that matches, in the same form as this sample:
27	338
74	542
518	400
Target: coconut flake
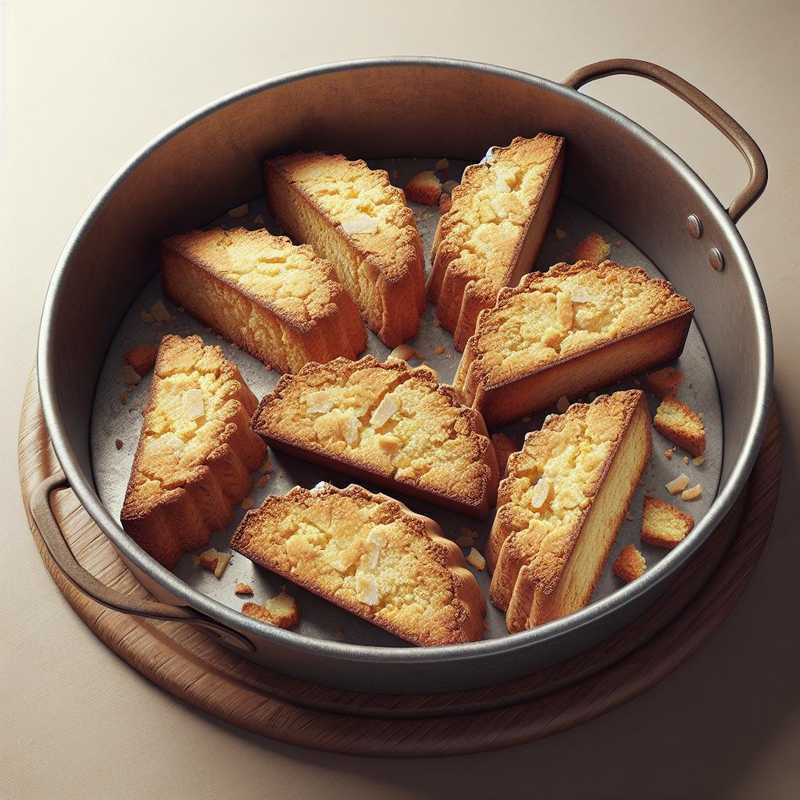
361	223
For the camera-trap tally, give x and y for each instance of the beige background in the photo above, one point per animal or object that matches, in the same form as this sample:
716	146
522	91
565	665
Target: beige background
84	87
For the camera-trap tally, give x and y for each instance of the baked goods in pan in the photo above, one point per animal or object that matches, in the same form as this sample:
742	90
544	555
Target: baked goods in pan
280	302
663	525
355	218
371	556
681	425
560	507
565	332
195	451
492	233
387	423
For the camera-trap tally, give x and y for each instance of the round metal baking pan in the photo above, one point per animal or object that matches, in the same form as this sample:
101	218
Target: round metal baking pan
618	177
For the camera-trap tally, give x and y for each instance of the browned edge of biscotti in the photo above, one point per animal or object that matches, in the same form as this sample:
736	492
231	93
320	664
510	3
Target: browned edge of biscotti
337	332
466	592
525	253
185	517
399	320
477	507
521	592
471	303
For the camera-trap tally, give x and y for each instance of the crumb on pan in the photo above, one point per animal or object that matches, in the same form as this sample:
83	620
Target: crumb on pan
699	460
630	564
439	350
560	233
668	453
243	589
239	211
403	352
476	559
425	187
281	611
677	485
694	493
130	376
663	525
213	561
142	358
118	443
593	248
681	425
663	382
146	316
160	312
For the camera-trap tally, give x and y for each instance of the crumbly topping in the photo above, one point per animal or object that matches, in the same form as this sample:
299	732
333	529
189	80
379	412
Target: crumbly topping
395	419
491	206
553	480
348	190
567	310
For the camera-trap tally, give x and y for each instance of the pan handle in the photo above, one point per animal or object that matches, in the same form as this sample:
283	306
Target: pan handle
58	548
718	117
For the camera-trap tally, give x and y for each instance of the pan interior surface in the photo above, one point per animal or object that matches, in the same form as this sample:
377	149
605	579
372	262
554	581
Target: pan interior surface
116	417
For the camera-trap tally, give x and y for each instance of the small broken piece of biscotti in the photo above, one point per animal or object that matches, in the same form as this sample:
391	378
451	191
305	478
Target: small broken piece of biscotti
371	556
280	611
663	525
142	358
663	382
494	228
681	425
425	187
630	564
280	302
593	248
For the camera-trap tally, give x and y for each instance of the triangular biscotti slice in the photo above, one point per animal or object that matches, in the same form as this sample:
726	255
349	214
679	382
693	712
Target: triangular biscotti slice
355	218
385	423
195	451
565	332
559	509
280	302
493	231
370	555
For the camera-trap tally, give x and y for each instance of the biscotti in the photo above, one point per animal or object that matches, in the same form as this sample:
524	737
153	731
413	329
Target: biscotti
370	555
386	423
663	525
356	219
681	425
281	303
559	509
195	451
493	231
565	332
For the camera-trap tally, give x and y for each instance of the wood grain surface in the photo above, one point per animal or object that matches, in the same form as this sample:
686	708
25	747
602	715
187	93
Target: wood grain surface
193	668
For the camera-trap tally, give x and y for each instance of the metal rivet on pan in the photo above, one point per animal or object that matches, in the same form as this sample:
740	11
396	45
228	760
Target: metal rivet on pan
694	226
716	259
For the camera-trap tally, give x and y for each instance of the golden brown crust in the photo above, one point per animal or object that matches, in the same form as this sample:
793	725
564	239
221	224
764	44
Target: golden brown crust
195	452
387	423
545	504
681	425
280	302
663	525
354	217
370	555
567	331
630	564
493	230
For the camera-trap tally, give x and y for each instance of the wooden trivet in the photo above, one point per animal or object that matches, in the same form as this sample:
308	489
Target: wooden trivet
192	667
